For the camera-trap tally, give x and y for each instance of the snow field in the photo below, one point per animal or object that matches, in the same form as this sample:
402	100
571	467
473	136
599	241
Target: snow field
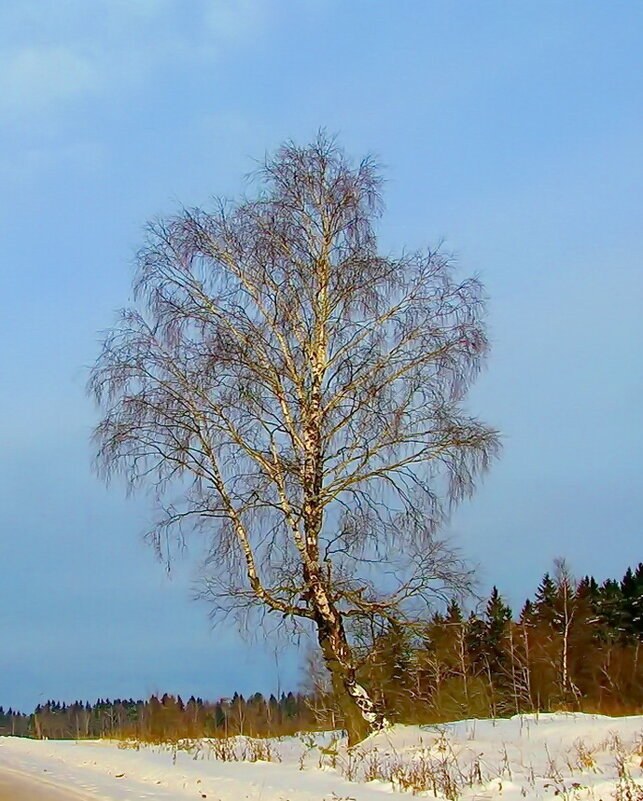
572	757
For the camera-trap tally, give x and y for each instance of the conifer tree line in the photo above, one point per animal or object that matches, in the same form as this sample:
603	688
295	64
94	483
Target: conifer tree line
574	646
164	718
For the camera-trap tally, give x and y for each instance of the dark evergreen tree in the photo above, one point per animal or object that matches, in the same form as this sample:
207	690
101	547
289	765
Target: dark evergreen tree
632	609
454	612
545	602
527	613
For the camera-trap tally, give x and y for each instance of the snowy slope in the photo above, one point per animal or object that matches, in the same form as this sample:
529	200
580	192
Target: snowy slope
535	757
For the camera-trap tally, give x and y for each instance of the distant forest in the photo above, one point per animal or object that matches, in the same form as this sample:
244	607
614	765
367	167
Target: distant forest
574	646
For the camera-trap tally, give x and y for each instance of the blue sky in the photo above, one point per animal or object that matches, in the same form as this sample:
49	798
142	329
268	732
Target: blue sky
513	131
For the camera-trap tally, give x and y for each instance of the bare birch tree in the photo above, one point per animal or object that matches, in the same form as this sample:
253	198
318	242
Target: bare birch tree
302	396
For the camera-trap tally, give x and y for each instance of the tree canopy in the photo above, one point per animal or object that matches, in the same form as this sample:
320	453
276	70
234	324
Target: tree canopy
302	394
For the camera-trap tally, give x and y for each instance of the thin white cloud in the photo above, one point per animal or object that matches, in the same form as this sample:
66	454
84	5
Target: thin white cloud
53	54
37	78
84	156
61	61
232	21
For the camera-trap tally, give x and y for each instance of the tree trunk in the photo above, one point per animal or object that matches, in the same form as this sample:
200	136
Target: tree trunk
361	716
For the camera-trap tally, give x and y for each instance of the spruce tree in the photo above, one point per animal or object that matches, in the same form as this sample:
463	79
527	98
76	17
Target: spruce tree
545	602
611	609
632	606
496	621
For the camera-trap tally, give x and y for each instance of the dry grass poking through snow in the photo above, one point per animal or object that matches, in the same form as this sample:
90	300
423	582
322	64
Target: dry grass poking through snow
223	749
566	756
527	757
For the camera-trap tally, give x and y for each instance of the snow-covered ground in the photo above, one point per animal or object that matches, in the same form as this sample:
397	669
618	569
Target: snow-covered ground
568	756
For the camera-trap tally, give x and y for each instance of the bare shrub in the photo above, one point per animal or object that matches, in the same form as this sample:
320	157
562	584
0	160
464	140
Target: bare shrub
627	789
585	758
260	751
